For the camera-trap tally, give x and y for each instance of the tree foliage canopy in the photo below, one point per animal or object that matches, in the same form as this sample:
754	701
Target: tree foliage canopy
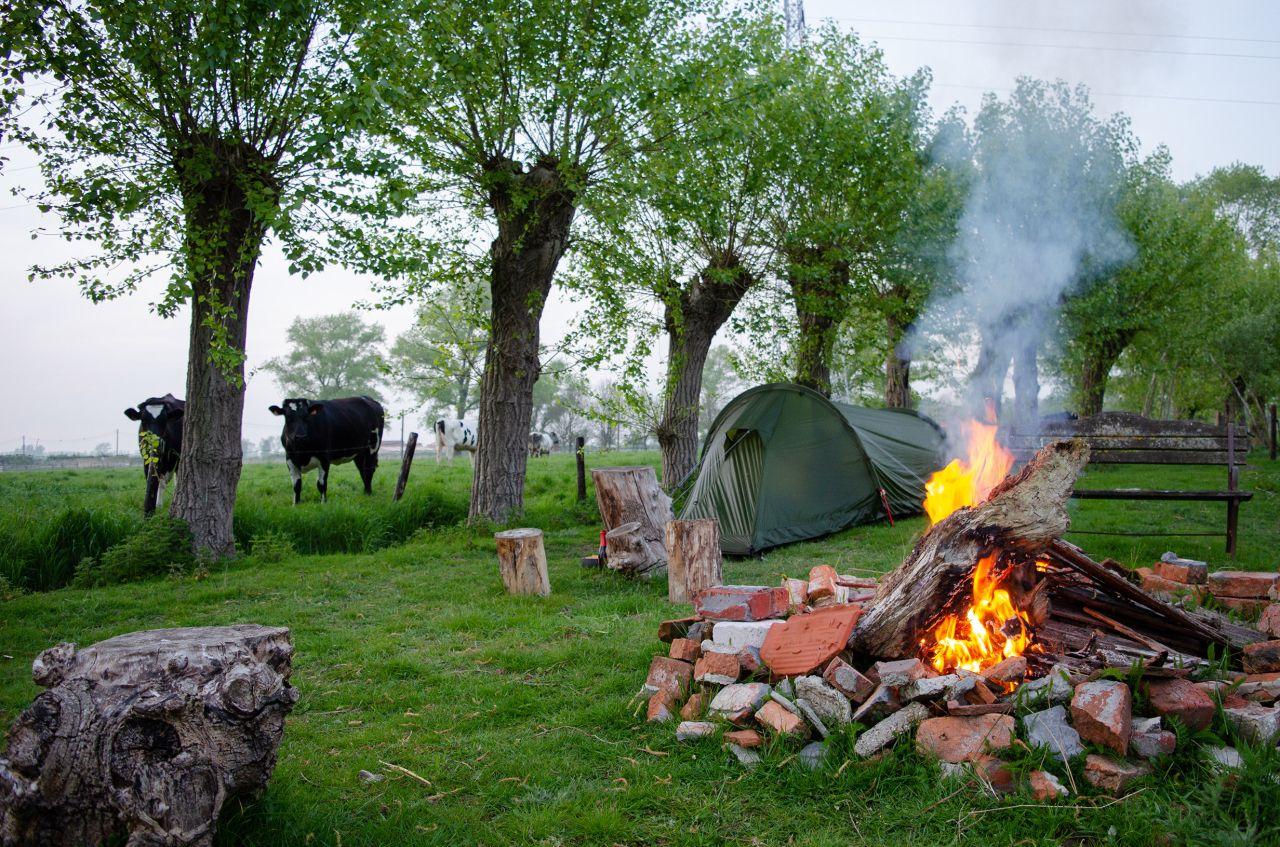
338	355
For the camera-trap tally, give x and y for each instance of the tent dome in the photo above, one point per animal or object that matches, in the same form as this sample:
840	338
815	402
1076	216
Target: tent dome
782	463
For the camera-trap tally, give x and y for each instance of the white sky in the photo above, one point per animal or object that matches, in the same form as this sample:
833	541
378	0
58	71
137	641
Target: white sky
1191	75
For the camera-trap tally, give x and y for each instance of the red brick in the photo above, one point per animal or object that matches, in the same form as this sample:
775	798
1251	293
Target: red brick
781	721
1181	699
1241	583
741	602
694	707
1246	607
1009	672
717	669
1261	687
845	678
797	594
667	674
1153	583
668	630
1262	657
995	773
747	738
662	707
1102	713
1269	620
1110	775
964	739
805	642
1046	786
685	650
1185	571
822	582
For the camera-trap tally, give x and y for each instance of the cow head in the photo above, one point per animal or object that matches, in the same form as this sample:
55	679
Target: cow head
299	416
156	414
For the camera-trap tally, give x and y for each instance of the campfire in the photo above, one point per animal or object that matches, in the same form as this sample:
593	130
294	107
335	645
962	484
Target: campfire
991	614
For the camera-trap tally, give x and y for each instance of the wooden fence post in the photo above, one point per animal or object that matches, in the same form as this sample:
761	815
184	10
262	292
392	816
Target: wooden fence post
523	561
404	467
693	558
581	448
1272	415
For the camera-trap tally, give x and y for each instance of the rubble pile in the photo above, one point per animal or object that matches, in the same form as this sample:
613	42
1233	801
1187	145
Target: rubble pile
1251	594
755	663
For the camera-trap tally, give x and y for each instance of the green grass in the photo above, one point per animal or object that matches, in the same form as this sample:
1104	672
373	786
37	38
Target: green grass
521	711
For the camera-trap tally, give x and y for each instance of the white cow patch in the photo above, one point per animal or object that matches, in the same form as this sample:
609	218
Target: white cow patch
155	409
452	436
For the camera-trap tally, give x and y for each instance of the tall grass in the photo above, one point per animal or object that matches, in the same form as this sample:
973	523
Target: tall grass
50	520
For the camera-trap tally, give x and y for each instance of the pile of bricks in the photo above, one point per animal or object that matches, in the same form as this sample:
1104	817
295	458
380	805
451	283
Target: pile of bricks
761	666
1254	595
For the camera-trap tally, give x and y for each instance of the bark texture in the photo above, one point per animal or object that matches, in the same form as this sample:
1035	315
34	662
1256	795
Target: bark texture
821	303
145	735
522	559
897	368
632	551
627	495
693	558
224	240
1095	370
1023	514
691	325
534	211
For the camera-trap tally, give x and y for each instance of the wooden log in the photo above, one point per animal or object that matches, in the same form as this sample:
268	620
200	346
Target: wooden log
580	454
145	736
1023	514
523	561
693	558
405	463
631	552
628	495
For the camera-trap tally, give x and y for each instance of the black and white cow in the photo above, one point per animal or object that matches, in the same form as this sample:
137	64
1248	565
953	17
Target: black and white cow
320	433
160	442
452	436
542	443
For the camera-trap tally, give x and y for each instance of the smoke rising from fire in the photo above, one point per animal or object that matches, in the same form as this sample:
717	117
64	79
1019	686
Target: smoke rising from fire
1043	175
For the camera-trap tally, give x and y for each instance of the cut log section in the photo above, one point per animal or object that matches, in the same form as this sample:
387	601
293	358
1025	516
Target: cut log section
146	736
627	495
631	552
523	561
693	558
1024	513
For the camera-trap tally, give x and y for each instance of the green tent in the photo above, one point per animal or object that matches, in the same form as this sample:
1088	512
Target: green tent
782	463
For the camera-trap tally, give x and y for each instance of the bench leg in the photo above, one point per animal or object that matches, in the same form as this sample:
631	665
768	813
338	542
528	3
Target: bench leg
1233	521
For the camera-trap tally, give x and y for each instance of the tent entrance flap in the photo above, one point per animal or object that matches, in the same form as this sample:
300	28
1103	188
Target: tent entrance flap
730	491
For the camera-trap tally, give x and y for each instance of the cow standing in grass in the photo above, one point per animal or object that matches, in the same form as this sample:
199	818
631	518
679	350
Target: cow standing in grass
321	433
543	443
452	436
159	441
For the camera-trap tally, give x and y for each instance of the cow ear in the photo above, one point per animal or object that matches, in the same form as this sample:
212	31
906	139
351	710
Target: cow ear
133	414
275	410
315	408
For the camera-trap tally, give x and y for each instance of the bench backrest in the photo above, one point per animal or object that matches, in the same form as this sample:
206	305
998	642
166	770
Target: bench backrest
1126	438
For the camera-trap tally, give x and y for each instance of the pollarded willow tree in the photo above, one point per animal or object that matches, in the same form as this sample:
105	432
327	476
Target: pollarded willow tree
522	113
177	138
692	233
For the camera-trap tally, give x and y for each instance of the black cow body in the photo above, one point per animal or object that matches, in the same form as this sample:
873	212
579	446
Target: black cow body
159	441
321	433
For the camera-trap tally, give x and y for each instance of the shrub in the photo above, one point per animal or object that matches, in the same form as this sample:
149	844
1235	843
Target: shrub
163	546
272	546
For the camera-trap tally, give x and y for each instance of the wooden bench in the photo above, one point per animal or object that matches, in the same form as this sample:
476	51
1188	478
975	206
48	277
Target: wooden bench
1125	438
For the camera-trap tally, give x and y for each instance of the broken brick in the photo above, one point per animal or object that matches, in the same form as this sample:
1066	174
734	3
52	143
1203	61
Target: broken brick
685	650
1148	745
1262	657
1046	786
695	730
671	630
1245	607
899	673
662	707
846	679
1255	722
822	582
668	674
780	720
1153	583
1181	699
694	706
797	594
805	642
1269	620
746	738
717	669
737	703
1254	584
1102	712
1009	672
1112	776
741	602
1185	571
956	739
1260	687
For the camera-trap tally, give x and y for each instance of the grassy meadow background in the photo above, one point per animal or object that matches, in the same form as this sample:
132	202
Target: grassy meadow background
521	712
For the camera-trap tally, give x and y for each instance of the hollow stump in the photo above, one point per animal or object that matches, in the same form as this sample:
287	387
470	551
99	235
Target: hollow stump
147	735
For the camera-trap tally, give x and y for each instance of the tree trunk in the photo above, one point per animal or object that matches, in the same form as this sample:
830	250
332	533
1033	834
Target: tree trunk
691	326
146	735
522	559
534	212
820	303
897	368
224	239
630	495
693	558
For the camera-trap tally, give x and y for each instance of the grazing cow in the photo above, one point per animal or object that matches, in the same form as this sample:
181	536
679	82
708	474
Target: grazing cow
452	436
542	443
320	433
160	442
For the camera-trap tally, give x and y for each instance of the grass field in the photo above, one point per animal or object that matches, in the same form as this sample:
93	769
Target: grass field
520	711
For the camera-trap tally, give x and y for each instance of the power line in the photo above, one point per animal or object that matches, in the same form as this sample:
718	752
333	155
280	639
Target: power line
1059	29
1041	46
1126	94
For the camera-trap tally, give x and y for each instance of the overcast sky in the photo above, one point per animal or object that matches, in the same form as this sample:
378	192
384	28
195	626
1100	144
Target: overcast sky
1199	77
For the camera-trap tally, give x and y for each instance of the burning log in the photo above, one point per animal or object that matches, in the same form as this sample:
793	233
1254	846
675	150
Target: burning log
1020	518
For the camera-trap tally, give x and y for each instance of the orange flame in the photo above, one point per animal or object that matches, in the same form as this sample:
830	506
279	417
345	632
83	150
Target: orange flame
992	629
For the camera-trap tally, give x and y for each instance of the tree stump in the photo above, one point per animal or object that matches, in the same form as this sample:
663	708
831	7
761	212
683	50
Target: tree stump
523	561
693	558
631	552
1024	513
631	495
145	735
